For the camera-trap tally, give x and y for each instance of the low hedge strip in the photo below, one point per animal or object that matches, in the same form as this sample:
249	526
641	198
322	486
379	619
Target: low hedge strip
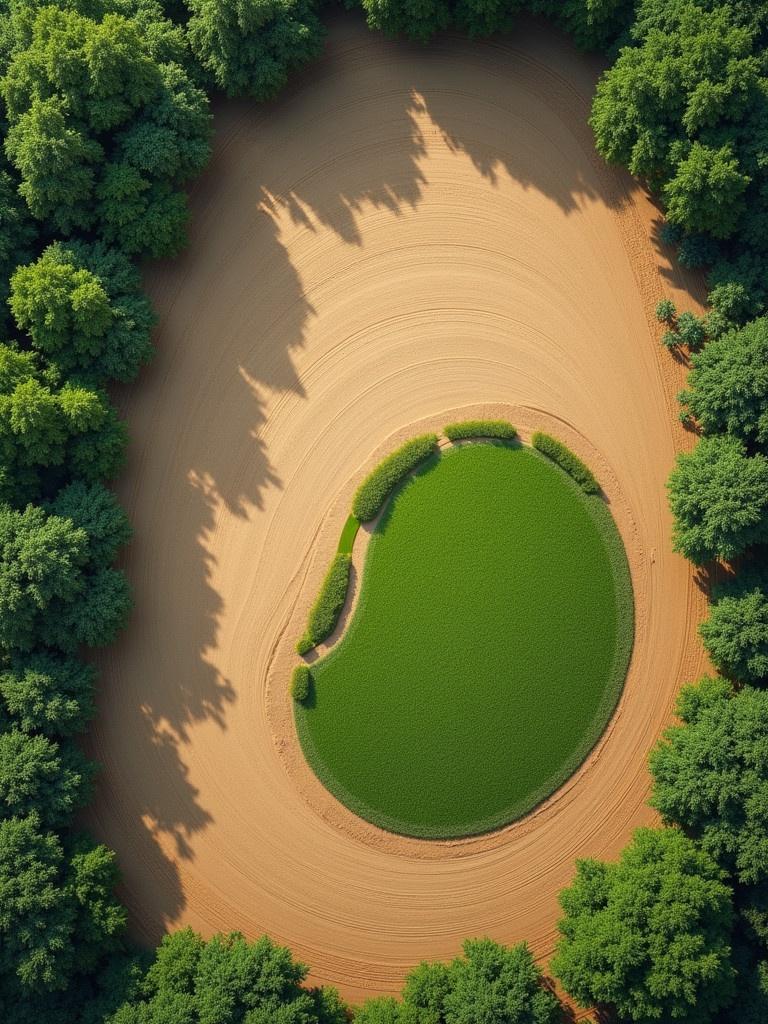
374	490
564	457
501	429
327	608
300	683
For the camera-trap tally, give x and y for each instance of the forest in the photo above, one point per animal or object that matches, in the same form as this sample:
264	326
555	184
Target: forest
105	117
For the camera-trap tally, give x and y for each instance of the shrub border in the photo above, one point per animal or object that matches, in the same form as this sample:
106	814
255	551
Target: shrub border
325	612
466	430
616	678
562	455
376	488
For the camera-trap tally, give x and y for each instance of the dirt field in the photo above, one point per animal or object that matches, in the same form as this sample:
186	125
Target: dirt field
404	233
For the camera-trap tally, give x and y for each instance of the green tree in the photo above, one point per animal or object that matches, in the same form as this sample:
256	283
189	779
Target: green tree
737	286
750	957
380	1010
96	510
489	983
707	191
418	19
727	388
593	24
47	428
58	913
736	632
104	123
496	983
719	499
83	309
685	107
17	234
691	74
38	774
227	979
50	590
42	560
249	47
47	693
711	775
691	330
649	935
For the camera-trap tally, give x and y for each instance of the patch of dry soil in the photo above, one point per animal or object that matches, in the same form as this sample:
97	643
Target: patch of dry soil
405	233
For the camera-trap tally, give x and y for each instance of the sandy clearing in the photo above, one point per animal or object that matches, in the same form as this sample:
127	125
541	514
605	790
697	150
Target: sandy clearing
404	234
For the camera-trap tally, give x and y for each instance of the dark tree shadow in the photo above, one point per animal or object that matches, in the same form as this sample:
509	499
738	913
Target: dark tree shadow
262	323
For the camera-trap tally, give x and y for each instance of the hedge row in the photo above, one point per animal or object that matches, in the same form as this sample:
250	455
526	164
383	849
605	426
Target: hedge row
480	428
377	486
566	460
327	608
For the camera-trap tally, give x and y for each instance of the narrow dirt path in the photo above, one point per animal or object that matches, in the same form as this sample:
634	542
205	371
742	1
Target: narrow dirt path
405	233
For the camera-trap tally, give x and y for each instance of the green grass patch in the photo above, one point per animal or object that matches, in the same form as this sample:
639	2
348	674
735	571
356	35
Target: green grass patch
326	610
348	534
565	458
487	651
379	484
500	429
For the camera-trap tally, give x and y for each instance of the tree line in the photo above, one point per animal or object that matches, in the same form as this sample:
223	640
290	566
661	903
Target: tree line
104	113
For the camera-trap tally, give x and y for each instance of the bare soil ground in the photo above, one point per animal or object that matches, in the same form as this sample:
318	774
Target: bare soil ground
405	233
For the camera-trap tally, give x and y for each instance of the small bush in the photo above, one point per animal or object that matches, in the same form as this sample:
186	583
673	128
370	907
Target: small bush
670	340
480	428
300	683
666	311
327	608
691	331
566	460
377	486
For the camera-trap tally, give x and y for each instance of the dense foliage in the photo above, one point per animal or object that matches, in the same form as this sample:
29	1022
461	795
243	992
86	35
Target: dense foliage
249	47
17	233
594	24
489	983
711	775
686	107
227	980
649	934
736	632
105	123
82	307
719	498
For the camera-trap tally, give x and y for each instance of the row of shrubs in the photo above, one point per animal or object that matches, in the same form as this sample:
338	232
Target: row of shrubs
379	484
374	490
367	503
565	458
326	610
466	429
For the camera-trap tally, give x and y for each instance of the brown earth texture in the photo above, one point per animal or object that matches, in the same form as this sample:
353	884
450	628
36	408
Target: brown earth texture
406	234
